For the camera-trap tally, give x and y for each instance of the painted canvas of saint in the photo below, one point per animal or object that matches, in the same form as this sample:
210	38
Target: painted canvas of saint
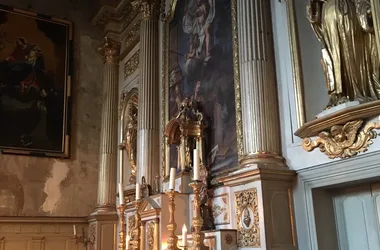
201	68
33	68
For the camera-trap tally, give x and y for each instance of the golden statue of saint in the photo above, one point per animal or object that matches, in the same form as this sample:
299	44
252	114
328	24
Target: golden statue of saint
350	58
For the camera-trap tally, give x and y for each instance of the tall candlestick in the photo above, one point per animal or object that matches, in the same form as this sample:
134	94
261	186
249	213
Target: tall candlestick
184	235
178	158
172	178
75	230
138	191
121	194
196	165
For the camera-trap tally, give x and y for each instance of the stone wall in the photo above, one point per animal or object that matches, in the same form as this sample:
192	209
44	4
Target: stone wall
54	187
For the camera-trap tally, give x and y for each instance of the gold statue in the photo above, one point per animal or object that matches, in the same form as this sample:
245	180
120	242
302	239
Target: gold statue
131	141
350	59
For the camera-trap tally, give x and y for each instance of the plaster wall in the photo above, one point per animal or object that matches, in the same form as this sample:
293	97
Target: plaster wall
55	187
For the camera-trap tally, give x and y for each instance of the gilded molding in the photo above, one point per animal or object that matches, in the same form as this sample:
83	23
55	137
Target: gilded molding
344	141
247	214
235	41
110	50
131	65
107	13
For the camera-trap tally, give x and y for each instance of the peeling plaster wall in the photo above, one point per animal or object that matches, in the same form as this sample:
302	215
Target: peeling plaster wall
54	187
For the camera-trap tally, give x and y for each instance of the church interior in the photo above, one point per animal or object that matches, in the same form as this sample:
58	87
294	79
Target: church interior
189	124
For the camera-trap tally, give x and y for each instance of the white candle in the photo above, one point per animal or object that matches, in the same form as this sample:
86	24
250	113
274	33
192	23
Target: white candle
172	178
75	230
138	191
121	194
196	165
184	235
178	158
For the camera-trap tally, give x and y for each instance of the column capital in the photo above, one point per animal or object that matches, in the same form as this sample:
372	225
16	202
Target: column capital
110	50
149	9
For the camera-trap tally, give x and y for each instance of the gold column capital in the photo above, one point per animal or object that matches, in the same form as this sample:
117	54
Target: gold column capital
110	50
149	9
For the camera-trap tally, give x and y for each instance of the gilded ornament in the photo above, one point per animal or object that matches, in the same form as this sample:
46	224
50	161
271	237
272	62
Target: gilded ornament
248	236
110	50
150	237
149	9
350	59
344	141
133	36
131	65
228	239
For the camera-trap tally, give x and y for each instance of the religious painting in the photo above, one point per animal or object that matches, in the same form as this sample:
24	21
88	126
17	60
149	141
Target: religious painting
34	83
200	68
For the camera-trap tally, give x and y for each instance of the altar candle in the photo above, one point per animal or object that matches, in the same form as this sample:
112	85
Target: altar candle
196	165
138	191
178	158
172	178
121	194
75	230
184	235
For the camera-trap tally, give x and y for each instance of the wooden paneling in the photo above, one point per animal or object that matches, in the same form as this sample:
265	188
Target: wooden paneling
47	233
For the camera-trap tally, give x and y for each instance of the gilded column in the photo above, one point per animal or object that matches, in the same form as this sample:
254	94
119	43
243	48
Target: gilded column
259	105
108	134
148	124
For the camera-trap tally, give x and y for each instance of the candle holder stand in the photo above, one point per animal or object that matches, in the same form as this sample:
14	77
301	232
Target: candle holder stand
172	226
135	242
122	241
197	221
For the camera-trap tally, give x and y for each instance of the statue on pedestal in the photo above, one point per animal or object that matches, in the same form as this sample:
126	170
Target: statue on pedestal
350	57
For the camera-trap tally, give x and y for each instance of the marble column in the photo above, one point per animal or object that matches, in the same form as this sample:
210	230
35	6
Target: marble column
108	134
259	104
148	123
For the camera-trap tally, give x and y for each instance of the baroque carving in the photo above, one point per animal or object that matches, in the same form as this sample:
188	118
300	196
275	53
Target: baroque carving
350	59
128	113
133	36
131	226
150	237
110	50
248	227
149	8
228	239
109	12
132	64
344	141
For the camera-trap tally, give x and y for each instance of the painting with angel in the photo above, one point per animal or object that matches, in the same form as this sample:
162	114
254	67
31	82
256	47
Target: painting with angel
200	67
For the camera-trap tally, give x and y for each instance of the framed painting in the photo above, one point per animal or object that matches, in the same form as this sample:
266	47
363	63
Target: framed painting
199	63
35	83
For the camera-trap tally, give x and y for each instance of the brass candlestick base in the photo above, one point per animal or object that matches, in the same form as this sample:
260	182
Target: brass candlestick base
172	226
122	242
197	221
135	240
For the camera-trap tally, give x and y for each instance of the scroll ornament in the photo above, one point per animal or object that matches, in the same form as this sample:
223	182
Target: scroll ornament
344	141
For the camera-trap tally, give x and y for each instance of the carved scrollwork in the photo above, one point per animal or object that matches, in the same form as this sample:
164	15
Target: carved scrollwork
247	214
132	64
150	237
344	141
149	8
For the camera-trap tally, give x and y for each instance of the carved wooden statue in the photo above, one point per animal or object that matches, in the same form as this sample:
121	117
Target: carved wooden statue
350	58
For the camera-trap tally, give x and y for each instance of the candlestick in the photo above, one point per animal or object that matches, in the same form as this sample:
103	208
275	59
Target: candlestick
138	191
75	230
196	165
172	178
178	158
197	220
121	194
184	236
122	240
172	226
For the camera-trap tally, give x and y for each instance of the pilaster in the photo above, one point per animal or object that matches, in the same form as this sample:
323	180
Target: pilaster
148	126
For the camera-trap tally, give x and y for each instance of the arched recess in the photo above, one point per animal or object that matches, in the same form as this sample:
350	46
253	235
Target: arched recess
128	133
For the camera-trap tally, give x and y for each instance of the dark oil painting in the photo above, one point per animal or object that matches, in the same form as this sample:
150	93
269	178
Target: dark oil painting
34	83
201	68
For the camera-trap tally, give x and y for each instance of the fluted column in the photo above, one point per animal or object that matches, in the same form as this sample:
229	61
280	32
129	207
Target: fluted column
148	126
259	105
108	134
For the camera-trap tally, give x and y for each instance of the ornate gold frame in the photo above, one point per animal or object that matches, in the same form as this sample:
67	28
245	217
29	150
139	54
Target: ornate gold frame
166	18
